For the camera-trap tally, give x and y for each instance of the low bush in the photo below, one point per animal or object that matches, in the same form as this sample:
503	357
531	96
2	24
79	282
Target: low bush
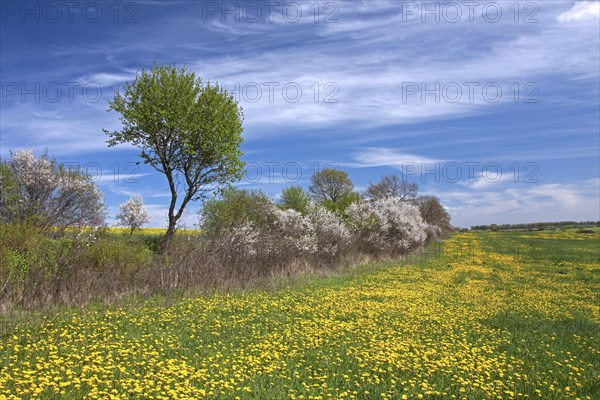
235	208
119	256
31	261
586	231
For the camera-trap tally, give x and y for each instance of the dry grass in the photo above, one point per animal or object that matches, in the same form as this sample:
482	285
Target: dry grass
40	271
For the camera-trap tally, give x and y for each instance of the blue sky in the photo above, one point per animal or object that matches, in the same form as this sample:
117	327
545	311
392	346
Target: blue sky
494	108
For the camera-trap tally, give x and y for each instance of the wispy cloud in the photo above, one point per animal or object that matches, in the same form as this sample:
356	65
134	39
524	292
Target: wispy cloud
380	157
339	91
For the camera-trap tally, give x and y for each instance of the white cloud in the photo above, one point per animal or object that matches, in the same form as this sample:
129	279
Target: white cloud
488	179
109	177
105	79
380	157
523	203
581	11
370	86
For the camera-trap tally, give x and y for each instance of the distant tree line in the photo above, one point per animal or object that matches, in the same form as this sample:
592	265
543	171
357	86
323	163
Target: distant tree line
535	226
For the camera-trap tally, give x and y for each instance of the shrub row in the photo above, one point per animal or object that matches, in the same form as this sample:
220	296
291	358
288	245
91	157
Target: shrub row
244	238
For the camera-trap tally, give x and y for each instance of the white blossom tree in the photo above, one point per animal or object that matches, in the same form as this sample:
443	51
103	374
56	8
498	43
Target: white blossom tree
133	214
45	193
387	225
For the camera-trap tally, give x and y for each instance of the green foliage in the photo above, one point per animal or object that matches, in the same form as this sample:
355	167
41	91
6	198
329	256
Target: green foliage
188	131
330	184
9	193
26	249
339	207
152	242
538	226
15	264
120	255
333	189
234	208
295	198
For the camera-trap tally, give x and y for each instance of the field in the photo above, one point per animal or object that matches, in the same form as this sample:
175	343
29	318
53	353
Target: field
495	316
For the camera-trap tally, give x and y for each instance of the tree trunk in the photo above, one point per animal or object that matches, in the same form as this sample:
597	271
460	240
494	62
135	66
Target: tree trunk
172	216
170	232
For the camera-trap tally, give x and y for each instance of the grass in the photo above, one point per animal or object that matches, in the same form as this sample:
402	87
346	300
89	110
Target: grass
496	315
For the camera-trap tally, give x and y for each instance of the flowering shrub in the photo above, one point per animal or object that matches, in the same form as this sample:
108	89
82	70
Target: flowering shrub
133	214
362	221
331	233
247	228
45	193
240	241
296	231
249	224
389	225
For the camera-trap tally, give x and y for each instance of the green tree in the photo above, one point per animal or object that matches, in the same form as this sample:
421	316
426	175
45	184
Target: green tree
333	189
295	198
188	131
233	208
339	207
330	184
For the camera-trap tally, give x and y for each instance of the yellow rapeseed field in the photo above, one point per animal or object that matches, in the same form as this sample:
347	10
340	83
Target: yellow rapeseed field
477	322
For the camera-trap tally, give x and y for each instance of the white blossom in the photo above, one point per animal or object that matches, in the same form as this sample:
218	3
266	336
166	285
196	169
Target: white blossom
330	230
296	230
51	194
33	171
241	240
387	224
133	214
